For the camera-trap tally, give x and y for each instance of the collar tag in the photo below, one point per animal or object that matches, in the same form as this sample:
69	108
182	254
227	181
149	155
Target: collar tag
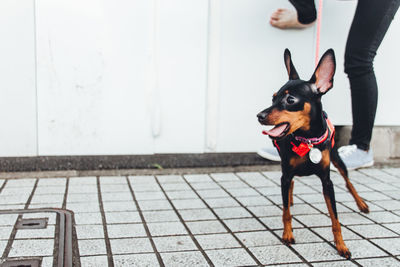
301	150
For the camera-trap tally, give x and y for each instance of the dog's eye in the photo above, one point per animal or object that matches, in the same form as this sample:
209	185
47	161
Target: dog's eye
290	100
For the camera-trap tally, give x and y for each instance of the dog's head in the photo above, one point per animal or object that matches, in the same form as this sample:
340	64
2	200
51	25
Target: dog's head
295	104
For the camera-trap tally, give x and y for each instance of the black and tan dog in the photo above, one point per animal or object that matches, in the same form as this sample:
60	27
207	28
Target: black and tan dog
304	138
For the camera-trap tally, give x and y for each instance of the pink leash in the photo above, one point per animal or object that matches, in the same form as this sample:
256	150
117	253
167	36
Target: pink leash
319	19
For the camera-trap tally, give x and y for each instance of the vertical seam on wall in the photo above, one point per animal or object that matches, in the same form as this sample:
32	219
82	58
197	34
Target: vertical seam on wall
36	75
213	75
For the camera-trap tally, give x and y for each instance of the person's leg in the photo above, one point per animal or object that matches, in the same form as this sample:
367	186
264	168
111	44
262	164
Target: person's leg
303	17
371	21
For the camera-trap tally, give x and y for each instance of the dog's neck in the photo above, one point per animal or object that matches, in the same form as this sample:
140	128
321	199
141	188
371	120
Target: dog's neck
318	125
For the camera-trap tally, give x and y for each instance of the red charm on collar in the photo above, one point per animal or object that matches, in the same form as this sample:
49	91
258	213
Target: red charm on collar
301	150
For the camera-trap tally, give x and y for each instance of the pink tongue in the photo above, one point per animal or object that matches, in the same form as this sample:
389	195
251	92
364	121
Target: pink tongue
276	131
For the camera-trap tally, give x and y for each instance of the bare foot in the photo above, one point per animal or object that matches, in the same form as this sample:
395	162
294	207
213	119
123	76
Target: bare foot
286	19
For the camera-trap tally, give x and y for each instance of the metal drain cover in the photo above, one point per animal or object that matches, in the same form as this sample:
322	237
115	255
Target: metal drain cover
24	247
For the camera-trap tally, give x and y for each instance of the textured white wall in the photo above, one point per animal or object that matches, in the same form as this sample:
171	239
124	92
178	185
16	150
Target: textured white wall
160	76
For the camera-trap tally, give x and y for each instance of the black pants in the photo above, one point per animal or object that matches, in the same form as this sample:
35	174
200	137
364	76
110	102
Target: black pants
370	24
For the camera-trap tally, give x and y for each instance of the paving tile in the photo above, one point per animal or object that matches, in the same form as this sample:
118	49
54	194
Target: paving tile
231	213
119	206
116	196
233	184
146	188
92	247
167	228
317	252
114	188
45	205
383	217
197	178
217	241
206	227
197	215
243	192
8	219
393	226
14	191
259	238
87	207
104	180
174	243
344	263
314	220
240	225
371	196
82	198
14	199
254	201
353	219
88	218
322	208
372	231
130	245
313	198
270	191
176	187
221	202
266	211
142	179
145	260
230	257
125	230
379	262
94	261
192	204
389	204
205	186
213	193
80	189
364	249
276	222
160	216
155	205
3	244
326	233
5	232
163	179
56	198
123	217
47	262
187	258
77	181
21	182
303	236
181	195
89	231
391	245
48	232
52	182
37	247
274	254
224	177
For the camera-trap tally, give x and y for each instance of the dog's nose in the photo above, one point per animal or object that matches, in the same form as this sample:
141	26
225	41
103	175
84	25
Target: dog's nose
261	116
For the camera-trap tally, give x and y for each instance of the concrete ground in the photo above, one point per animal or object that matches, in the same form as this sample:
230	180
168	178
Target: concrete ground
217	217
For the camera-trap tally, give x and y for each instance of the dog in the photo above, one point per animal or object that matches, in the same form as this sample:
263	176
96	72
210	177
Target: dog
304	137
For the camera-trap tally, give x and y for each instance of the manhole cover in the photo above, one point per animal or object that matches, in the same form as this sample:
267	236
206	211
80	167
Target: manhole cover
38	236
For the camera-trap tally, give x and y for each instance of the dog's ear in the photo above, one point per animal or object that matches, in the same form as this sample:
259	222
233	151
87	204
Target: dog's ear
323	74
289	66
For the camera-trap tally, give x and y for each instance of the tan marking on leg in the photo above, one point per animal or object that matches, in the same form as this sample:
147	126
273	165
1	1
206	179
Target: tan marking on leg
337	231
287	236
326	158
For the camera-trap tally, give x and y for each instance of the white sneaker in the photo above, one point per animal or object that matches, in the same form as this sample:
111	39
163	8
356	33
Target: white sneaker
355	158
270	153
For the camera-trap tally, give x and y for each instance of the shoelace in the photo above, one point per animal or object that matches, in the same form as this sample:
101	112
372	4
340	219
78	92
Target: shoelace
347	150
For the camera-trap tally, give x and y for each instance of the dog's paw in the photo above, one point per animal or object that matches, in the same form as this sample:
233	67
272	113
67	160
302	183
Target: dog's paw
363	207
288	238
344	252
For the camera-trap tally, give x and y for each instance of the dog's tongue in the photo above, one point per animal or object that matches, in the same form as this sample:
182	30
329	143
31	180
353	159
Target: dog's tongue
276	131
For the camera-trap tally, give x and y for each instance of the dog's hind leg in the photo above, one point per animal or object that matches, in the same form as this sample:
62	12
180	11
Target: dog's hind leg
329	196
339	164
287	190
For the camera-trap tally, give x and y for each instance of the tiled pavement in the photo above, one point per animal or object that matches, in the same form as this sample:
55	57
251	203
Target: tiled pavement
217	219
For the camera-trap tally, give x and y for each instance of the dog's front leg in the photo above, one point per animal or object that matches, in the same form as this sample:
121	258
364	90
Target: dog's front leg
329	196
286	183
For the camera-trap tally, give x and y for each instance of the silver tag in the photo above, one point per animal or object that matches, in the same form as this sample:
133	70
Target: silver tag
315	155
